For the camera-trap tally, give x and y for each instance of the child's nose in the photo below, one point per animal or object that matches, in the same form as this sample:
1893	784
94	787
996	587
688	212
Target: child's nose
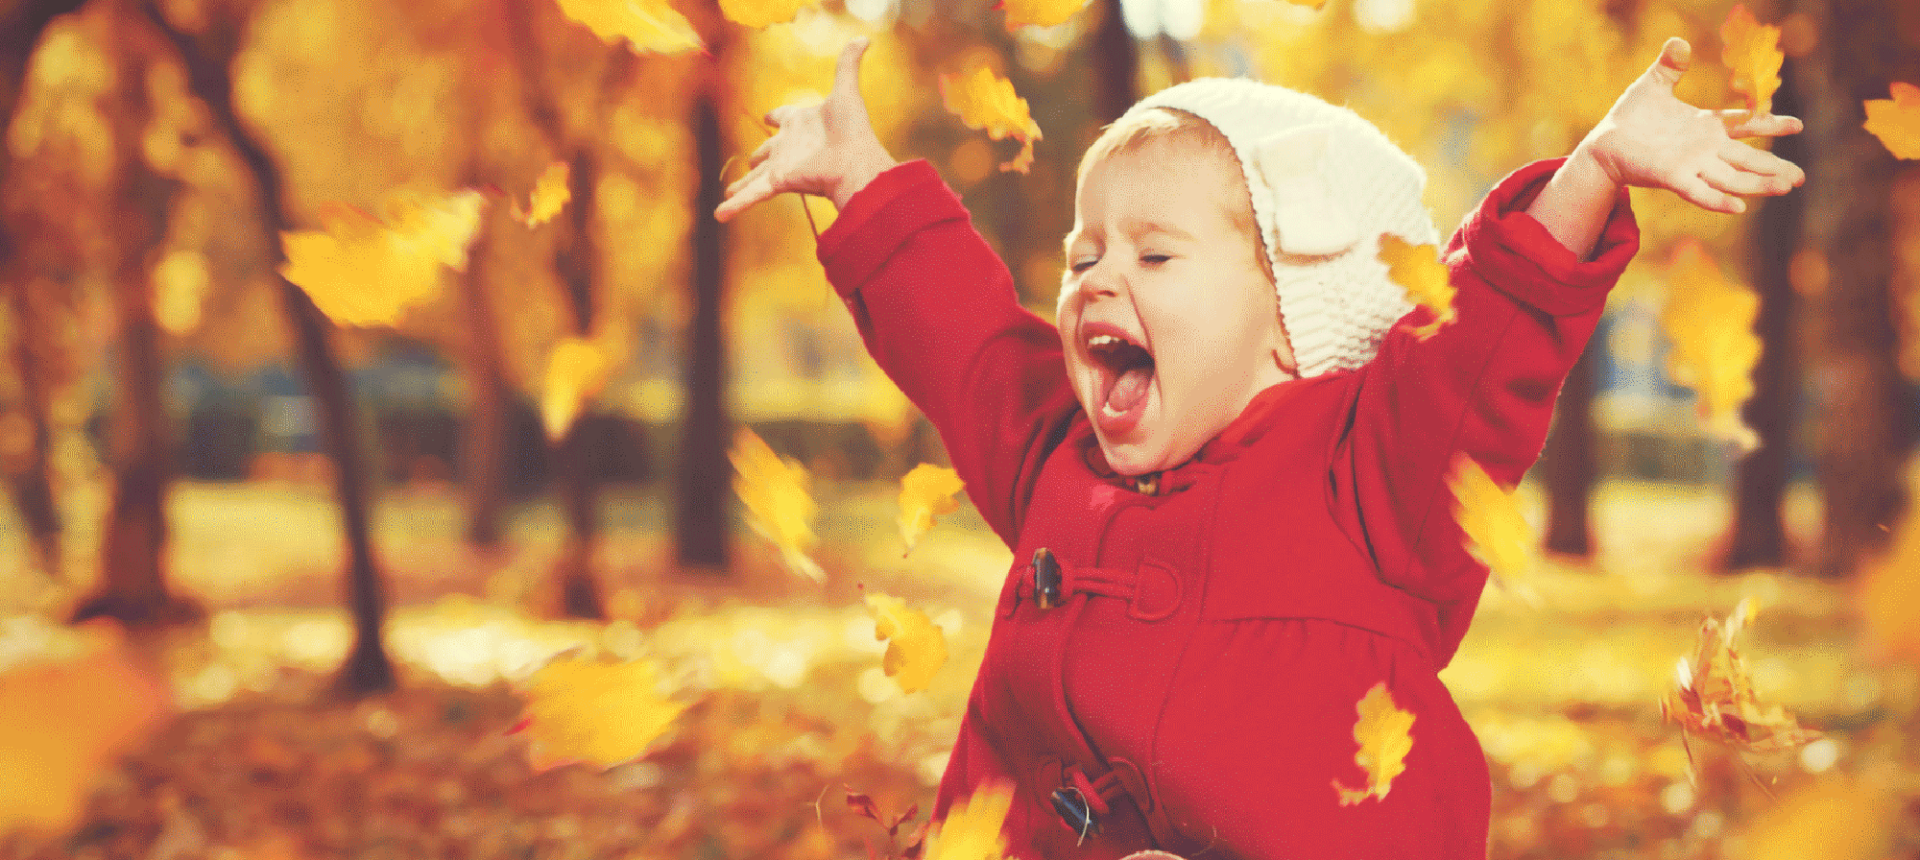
1101	281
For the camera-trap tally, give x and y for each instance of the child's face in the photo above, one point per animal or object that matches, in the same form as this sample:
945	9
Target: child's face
1166	311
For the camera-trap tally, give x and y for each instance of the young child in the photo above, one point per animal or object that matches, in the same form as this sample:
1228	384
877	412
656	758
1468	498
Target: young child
1222	472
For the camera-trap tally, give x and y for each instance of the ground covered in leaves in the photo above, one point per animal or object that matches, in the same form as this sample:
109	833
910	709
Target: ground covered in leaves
788	706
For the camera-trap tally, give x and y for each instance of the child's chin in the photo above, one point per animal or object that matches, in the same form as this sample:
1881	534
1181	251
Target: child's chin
1132	460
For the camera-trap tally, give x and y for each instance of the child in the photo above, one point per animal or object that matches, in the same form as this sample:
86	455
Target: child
1223	473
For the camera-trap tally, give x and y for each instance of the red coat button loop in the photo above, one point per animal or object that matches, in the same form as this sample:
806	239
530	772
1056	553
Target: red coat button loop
1046	578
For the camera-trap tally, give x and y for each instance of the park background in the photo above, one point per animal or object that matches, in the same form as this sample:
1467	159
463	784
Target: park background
320	556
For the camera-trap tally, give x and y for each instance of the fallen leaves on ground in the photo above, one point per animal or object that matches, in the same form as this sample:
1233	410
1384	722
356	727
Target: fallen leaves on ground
779	507
971	830
1384	733
1709	318
916	647
361	270
1895	120
1714	698
551	193
1418	270
595	711
1038	13
62	723
651	25
1491	519
1888	596
1751	52
926	492
1837	818
576	371
984	100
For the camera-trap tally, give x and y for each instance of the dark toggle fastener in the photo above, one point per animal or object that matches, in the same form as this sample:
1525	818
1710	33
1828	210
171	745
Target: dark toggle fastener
1046	578
1073	809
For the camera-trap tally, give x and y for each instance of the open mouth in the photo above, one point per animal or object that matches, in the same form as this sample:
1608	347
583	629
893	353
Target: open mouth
1125	372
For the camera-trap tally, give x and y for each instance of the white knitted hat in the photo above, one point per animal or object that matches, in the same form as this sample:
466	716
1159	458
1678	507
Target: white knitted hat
1325	184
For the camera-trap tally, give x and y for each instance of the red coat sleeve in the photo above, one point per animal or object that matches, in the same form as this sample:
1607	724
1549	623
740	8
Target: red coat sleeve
1484	385
938	311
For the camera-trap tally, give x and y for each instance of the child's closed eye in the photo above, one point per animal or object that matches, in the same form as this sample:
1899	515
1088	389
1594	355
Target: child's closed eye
1083	264
1154	259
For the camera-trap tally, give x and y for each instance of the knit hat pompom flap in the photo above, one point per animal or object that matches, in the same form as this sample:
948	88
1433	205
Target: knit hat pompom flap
1325	185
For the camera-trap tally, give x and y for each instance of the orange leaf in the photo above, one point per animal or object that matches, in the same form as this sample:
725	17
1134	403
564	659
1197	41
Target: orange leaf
926	492
61	724
984	100
1709	319
576	371
1751	52
916	647
1714	697
1491	519
651	25
1038	13
603	713
1418	270
361	270
774	489
550	195
1385	736
761	13
1896	120
971	830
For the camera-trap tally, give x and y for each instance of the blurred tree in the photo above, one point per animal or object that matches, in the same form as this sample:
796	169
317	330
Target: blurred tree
209	51
25	459
702	485
1116	63
133	582
1843	270
1569	464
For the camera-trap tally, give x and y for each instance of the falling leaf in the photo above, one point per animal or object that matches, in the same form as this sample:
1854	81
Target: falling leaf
1896	120
1418	270
576	371
1889	594
1838	818
774	489
1038	13
550	195
599	712
1709	320
916	647
61	724
1385	736
651	25
926	492
1751	52
984	100
1714	696
361	270
971	830
761	13
1491	519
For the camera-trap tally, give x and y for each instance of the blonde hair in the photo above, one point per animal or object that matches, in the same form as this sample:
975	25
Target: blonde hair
1137	129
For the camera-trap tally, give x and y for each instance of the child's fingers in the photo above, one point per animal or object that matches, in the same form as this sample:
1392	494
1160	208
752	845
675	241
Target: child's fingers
846	74
1764	163
750	191
1675	58
1728	179
1741	123
1695	189
760	153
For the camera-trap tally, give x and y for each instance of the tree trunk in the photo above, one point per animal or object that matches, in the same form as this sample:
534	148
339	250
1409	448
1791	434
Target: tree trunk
704	482
133	580
1569	462
30	485
484	434
579	485
1846	267
1116	65
208	56
1758	537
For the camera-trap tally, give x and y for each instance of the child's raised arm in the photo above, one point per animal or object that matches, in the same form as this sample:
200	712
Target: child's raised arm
1652	139
828	149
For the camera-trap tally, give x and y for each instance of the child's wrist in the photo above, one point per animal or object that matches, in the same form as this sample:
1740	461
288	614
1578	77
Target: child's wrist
861	172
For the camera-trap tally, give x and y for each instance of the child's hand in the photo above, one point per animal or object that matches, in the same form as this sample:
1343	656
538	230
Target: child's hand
1652	139
828	149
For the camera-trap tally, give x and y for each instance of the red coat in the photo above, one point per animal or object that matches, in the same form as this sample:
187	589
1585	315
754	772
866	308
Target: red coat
1196	682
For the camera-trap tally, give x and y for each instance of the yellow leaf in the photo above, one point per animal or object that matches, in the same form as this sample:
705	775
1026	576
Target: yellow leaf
1417	269
984	100
1751	52
1714	695
761	13
1491	519
1838	818
1709	320
1038	13
651	25
1385	736
1889	592
971	830
550	195
916	647
61	724
774	489
576	371
602	713
926	492
1896	120
361	270
1314	3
